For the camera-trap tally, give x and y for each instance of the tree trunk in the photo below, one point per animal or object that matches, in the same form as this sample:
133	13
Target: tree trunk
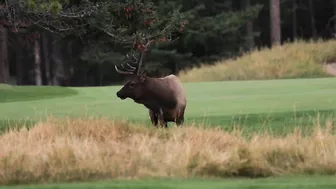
19	66
46	59
249	27
294	21
67	64
334	20
20	48
275	22
37	53
312	18
250	37
57	65
4	66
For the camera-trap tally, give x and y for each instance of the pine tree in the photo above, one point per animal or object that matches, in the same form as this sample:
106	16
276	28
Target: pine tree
117	28
125	22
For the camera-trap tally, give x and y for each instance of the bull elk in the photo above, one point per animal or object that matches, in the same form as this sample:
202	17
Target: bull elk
164	97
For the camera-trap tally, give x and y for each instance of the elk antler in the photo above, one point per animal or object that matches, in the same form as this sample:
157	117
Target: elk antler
145	48
134	69
130	70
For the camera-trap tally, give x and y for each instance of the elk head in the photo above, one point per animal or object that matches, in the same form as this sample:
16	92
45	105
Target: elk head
134	88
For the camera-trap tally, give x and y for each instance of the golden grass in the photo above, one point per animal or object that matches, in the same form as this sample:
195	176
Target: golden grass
85	149
300	59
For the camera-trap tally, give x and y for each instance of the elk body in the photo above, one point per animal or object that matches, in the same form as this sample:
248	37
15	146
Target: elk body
164	97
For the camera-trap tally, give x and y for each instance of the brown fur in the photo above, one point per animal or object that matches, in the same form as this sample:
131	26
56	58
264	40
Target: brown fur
164	97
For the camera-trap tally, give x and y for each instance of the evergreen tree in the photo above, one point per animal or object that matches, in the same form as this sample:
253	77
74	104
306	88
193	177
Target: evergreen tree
117	26
125	22
215	30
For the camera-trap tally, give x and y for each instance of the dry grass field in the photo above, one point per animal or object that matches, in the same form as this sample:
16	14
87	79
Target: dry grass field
300	59
89	148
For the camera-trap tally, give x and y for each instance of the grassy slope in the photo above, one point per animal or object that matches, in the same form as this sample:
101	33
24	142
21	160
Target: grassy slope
252	103
300	59
275	183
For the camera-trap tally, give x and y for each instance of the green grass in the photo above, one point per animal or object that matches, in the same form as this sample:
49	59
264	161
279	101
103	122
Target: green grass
312	182
280	104
276	104
10	93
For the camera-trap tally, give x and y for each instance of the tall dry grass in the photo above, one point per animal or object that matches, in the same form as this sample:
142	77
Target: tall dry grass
300	59
85	149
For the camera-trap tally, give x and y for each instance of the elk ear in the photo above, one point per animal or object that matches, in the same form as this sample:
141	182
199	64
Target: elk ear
143	77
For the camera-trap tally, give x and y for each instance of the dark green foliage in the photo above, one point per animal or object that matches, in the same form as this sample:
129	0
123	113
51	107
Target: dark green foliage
117	27
100	32
132	21
212	28
214	31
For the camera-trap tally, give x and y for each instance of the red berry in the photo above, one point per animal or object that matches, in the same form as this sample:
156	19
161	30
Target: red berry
15	30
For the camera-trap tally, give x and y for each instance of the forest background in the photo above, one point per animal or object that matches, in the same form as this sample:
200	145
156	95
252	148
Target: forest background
78	42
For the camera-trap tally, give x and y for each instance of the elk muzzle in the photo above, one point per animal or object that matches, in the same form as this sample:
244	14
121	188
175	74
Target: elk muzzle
122	97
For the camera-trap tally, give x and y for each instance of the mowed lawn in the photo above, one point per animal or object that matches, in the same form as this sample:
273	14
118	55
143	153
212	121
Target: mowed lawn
252	104
313	182
274	104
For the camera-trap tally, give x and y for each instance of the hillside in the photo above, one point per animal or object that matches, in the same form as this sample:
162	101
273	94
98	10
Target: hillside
299	59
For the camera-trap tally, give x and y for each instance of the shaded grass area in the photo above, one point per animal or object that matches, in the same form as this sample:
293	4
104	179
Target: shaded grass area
10	93
311	182
6	125
299	59
96	148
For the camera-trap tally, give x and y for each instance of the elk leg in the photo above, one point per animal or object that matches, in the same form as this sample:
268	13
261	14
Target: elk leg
164	124
162	121
153	117
180	121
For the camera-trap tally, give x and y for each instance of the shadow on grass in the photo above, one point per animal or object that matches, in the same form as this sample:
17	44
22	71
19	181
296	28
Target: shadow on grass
5	125
27	93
